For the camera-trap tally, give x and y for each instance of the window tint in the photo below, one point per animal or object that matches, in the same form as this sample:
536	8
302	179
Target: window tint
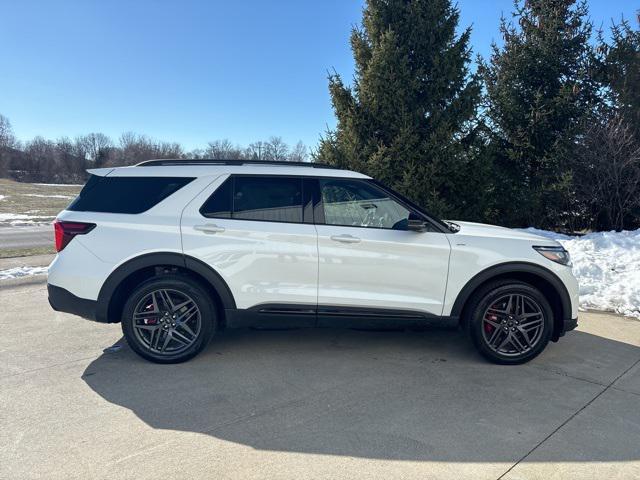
266	198
275	199
218	205
125	194
358	203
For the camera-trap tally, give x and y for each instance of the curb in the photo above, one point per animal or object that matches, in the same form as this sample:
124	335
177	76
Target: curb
26	280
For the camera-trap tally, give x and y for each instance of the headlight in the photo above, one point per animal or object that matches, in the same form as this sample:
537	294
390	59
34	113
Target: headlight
555	254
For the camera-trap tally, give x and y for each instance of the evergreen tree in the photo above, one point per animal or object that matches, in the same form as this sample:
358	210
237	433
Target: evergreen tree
408	117
619	71
539	93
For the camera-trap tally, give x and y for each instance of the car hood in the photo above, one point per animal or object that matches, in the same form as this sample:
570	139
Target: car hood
485	230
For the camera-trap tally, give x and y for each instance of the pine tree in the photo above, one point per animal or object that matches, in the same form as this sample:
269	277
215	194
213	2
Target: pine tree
408	117
619	71
539	92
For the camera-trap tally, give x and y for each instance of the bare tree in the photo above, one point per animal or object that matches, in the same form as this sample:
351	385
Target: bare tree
95	147
42	160
609	177
135	148
255	151
276	150
299	153
223	150
7	138
70	160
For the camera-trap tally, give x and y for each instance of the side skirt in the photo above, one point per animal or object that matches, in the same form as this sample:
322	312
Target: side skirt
308	316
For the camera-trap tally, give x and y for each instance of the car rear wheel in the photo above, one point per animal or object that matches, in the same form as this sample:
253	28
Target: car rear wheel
168	319
510	322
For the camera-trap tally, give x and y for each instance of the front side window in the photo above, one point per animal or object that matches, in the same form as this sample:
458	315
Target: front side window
267	199
357	203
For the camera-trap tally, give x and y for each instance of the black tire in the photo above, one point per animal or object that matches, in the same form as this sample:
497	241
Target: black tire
514	329
186	338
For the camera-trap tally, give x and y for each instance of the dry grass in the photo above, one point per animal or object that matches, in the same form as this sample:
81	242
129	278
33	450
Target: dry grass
38	203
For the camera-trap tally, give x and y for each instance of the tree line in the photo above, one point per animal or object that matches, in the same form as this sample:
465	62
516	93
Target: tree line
65	160
544	132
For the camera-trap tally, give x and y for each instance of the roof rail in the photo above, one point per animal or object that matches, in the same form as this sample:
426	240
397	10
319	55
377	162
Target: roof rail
198	161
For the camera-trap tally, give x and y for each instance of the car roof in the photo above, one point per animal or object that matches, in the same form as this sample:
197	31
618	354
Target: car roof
202	168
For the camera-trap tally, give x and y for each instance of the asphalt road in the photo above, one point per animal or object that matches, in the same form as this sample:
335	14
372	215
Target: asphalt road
302	404
26	236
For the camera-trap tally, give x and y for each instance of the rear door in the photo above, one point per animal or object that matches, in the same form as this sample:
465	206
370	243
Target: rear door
257	232
369	259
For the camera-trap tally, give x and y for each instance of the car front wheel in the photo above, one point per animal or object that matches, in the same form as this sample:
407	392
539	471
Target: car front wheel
510	322
168	319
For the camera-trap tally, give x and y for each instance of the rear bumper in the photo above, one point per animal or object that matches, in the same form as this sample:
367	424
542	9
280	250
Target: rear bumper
62	300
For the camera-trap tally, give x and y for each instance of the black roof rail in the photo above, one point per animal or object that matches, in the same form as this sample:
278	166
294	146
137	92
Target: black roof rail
204	161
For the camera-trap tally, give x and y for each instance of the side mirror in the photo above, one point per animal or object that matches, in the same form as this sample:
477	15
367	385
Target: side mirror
416	224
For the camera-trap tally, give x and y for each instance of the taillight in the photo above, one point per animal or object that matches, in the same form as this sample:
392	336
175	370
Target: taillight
65	231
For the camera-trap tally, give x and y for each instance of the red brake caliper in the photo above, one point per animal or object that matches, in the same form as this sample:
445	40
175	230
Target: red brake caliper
150	320
494	318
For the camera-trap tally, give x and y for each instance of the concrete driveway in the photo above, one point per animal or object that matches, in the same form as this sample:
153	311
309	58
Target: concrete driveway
312	404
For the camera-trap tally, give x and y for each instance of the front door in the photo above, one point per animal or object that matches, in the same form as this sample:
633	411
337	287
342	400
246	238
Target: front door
369	259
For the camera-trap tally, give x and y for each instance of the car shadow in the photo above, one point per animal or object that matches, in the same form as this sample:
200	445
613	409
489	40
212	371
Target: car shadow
421	395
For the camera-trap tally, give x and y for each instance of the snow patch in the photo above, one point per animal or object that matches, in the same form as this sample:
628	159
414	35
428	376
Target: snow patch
60	184
46	196
15	216
607	266
23	219
18	272
2	197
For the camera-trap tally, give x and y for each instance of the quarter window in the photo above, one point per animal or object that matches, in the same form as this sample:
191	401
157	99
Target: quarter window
125	194
219	205
357	203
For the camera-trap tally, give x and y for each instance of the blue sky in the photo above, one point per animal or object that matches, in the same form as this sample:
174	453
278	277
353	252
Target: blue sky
192	71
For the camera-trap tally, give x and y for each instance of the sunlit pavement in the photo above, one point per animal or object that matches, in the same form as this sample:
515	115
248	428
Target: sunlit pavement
312	404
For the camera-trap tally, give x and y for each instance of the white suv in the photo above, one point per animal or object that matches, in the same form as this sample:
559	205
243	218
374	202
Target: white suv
176	250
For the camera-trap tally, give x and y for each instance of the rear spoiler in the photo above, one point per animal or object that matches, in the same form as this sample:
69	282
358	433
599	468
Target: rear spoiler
100	172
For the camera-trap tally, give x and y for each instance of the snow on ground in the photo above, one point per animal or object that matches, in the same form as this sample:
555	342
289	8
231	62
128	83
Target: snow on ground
2	197
607	265
60	184
46	196
24	219
18	272
4	217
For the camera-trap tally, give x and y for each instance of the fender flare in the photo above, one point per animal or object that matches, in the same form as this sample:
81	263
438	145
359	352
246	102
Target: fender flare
507	268
161	258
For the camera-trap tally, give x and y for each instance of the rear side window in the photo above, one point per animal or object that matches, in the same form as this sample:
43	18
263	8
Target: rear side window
267	199
125	194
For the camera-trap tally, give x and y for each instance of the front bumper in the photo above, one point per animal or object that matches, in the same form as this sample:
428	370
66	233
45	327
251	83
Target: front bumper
62	300
567	325
570	324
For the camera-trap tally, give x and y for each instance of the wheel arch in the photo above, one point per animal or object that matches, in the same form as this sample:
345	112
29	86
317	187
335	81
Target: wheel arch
543	279
113	293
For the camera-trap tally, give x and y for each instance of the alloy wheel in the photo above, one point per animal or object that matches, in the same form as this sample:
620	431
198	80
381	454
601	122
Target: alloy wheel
167	322
513	324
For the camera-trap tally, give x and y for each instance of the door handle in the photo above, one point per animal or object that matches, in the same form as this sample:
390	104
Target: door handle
209	228
345	238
